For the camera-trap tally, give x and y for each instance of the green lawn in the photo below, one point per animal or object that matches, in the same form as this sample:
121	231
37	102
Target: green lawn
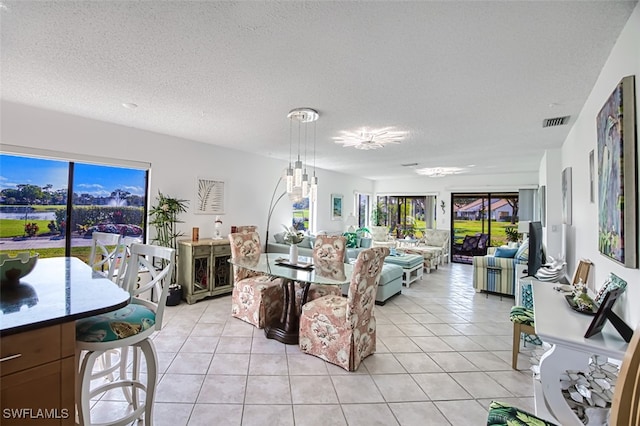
473	227
15	227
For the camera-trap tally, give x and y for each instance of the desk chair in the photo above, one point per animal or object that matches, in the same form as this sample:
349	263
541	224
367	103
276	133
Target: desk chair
128	327
625	406
522	316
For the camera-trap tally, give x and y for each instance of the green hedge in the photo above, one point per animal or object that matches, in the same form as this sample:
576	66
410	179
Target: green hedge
85	216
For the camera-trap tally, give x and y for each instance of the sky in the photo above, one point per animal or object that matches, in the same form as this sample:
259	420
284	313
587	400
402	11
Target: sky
96	180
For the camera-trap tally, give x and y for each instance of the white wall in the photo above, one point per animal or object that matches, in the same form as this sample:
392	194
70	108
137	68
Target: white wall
444	186
581	238
175	165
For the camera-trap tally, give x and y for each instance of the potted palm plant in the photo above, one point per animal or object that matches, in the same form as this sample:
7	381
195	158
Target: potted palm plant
164	218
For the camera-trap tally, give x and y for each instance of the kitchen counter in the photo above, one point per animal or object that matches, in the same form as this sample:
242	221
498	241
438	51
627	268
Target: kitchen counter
58	290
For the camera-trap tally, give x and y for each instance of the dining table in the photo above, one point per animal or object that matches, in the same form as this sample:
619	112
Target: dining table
304	271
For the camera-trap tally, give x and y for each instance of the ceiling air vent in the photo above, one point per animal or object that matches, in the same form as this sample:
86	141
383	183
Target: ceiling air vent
409	164
557	121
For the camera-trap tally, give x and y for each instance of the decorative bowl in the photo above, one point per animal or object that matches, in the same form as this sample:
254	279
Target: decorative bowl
12	268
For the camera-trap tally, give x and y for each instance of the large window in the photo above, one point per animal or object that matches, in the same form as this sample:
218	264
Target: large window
52	206
406	216
362	209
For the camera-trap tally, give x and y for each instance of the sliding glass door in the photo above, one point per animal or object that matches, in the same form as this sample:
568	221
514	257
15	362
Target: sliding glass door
481	220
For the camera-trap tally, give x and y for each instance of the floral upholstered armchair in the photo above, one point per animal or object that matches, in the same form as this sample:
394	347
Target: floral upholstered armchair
438	238
342	330
256	298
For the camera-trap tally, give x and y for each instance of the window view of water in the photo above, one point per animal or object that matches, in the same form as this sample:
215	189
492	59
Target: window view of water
33	204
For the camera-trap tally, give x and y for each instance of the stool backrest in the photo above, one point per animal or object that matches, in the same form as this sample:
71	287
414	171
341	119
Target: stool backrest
107	254
158	262
625	408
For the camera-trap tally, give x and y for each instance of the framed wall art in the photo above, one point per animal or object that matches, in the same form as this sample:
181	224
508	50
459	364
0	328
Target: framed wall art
336	207
617	218
592	177
209	196
566	196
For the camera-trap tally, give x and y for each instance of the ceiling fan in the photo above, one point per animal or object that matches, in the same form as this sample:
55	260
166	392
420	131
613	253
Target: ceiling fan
367	139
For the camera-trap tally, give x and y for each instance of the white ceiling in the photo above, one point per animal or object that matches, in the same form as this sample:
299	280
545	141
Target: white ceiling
471	82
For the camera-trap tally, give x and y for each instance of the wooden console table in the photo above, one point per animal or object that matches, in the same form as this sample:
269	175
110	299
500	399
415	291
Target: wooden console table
556	323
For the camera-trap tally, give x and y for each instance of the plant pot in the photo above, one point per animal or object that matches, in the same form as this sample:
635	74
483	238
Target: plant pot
365	242
175	296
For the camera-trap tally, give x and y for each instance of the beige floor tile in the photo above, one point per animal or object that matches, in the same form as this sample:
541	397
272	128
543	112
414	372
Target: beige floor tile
221	389
234	345
262	345
519	383
399	388
171	413
461	343
318	415
418	363
440	386
399	344
463	413
267	415
305	364
238	328
204	344
179	388
356	389
229	364
418	414
216	415
383	363
268	390
414	330
268	365
480	385
487	361
190	363
432	344
312	390
202	329
369	415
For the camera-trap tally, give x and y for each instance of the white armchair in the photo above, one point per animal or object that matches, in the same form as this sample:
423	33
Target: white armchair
380	237
438	238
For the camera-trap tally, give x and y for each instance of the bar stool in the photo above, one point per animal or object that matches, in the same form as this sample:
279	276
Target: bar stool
128	327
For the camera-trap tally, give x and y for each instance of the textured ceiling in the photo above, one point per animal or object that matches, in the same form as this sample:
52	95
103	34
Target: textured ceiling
471	82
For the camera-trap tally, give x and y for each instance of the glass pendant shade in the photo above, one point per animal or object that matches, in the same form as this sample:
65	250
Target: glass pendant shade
305	185
289	180
313	189
297	174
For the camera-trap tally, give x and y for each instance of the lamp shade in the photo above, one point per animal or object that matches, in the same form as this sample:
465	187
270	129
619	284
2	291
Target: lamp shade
523	226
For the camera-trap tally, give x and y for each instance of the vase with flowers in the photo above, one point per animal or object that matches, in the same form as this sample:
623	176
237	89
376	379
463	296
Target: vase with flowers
292	237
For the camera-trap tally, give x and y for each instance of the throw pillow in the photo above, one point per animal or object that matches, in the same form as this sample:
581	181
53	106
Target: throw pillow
279	237
522	255
505	252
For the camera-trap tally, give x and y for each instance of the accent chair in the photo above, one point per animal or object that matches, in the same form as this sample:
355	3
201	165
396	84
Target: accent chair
256	298
342	330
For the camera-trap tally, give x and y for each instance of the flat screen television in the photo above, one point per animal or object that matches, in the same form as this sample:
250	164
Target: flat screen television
536	254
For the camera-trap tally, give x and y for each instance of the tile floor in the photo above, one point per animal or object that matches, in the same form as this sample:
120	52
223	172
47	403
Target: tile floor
443	353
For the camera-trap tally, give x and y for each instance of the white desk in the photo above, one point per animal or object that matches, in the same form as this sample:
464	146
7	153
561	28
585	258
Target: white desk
557	324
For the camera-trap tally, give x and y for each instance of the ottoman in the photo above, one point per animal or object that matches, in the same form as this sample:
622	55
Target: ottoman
430	257
389	285
412	266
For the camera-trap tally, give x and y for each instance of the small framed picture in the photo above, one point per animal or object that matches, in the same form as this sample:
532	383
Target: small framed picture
336	206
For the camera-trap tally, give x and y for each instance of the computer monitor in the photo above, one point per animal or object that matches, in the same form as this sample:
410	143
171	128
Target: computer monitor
536	255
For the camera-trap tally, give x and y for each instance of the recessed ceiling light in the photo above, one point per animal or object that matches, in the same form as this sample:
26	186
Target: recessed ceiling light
366	138
129	105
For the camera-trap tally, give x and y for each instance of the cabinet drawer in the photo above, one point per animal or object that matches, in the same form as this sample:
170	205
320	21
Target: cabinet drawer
222	251
201	250
30	348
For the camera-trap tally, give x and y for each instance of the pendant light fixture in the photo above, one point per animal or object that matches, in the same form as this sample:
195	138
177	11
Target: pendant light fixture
298	176
313	186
